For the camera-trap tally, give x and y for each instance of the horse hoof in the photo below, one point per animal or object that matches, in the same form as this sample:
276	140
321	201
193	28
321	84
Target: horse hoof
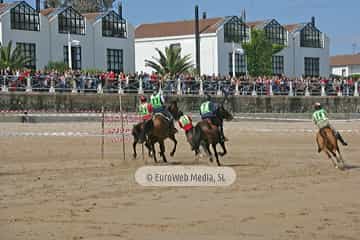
172	154
134	156
211	159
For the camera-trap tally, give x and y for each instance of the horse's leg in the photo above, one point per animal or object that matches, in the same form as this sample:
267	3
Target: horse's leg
147	145
172	137
216	154
224	149
162	150
134	147
340	163
329	156
208	151
319	145
153	151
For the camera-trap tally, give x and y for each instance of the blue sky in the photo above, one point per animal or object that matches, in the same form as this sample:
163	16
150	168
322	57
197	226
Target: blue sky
338	19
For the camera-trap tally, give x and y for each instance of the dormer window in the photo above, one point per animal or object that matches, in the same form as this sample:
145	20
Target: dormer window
310	37
235	31
24	17
113	26
71	21
275	33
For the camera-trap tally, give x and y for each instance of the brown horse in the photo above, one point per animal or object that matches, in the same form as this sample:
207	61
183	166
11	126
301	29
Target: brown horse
327	142
207	134
160	129
136	132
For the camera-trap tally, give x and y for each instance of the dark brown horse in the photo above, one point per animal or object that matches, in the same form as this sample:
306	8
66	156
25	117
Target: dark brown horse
136	133
206	134
160	129
327	142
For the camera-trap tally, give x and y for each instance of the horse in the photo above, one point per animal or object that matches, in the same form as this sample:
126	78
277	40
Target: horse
206	134
160	129
136	132
327	142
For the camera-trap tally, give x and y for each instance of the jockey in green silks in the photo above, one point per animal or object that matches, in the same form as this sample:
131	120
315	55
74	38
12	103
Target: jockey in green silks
321	120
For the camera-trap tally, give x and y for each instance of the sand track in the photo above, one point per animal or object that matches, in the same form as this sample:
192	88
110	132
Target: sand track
58	188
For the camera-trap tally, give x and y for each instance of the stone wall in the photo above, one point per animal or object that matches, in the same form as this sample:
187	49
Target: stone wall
240	104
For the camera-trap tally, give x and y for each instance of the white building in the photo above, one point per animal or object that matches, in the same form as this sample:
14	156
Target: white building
106	40
306	51
345	65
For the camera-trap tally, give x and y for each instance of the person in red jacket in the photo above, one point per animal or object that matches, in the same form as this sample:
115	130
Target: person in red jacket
145	109
185	122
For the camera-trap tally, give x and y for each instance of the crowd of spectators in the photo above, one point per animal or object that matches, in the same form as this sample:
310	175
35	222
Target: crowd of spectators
129	83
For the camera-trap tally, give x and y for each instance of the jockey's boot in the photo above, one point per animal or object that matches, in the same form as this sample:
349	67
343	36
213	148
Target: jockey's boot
339	137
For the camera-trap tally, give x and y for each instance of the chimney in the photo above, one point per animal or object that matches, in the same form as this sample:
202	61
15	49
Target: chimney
313	21
204	15
243	15
37	5
120	9
197	39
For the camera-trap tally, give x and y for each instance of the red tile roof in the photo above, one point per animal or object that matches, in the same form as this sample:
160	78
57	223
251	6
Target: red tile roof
3	7
342	60
179	28
255	23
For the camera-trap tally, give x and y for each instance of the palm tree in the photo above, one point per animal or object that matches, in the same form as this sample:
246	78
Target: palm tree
170	63
12	59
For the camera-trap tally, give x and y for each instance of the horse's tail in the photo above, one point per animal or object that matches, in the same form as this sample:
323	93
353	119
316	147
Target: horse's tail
196	139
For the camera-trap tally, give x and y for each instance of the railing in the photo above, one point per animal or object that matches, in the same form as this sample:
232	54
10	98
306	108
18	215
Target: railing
90	84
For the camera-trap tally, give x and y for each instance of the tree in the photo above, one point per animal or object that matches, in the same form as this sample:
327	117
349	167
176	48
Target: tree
259	52
83	6
12	58
170	62
53	3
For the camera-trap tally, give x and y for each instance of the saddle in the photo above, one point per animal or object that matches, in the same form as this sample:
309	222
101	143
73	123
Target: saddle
208	120
161	115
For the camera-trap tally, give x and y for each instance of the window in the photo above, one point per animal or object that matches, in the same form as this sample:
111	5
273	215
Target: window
312	67
71	21
75	57
277	65
113	26
115	60
310	37
24	17
240	64
29	51
235	31
275	33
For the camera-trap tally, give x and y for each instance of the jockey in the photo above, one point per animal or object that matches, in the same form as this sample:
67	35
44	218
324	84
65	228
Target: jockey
321	120
185	122
157	101
145	109
208	111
